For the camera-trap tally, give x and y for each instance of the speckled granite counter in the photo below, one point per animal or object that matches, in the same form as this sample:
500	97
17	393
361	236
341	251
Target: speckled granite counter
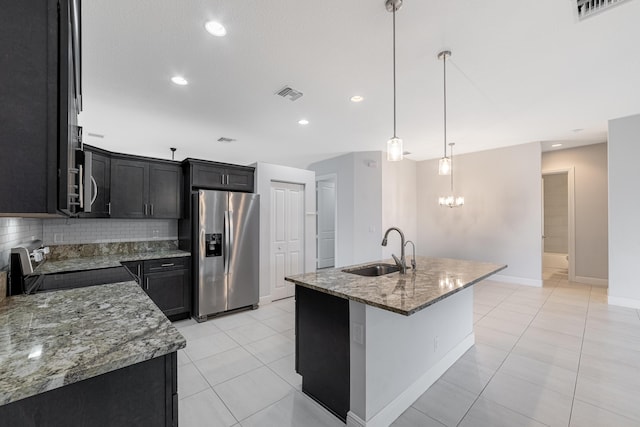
53	339
104	261
433	280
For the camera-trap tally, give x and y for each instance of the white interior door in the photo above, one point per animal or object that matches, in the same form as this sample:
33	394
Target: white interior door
287	236
326	240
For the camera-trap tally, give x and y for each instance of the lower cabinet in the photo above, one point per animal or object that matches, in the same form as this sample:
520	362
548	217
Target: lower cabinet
169	290
144	394
167	281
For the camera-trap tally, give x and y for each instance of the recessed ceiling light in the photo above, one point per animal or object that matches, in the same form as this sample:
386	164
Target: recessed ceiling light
179	80
215	28
556	145
577	130
357	98
303	122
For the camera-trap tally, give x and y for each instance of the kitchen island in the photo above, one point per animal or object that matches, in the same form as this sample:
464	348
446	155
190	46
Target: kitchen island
368	347
102	356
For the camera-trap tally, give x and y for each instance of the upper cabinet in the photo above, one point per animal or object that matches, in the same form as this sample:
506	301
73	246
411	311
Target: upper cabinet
219	176
40	97
145	189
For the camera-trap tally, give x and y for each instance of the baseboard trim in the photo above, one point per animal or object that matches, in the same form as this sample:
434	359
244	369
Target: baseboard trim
592	281
624	302
265	300
393	410
354	421
517	280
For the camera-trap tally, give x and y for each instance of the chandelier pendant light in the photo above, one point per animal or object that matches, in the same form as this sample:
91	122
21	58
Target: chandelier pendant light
394	145
451	201
444	165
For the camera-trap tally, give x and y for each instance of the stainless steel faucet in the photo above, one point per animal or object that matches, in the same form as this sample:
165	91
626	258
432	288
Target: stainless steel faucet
401	263
413	260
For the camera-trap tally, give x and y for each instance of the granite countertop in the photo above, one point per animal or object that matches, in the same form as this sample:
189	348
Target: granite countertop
52	339
434	279
104	261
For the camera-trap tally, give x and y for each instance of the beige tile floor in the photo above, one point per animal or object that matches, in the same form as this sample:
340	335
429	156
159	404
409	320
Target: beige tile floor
556	356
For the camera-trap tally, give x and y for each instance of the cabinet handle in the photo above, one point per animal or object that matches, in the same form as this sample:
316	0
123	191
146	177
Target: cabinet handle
109	207
168	265
222	179
146	283
151	209
139	275
145	209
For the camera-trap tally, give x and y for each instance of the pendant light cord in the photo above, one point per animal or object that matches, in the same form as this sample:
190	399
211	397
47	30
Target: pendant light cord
451	169
394	70
444	66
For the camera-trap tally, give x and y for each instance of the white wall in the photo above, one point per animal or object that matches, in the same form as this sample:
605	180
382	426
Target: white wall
501	220
359	200
367	207
591	216
342	167
265	174
399	203
624	205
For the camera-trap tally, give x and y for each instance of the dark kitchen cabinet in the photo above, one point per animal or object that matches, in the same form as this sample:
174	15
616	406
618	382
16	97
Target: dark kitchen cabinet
101	183
145	189
169	290
167	281
219	176
40	97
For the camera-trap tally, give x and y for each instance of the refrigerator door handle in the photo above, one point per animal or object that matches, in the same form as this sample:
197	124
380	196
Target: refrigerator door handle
227	246
230	238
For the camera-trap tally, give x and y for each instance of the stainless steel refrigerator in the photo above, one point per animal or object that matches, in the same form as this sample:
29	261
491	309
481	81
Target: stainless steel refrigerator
228	229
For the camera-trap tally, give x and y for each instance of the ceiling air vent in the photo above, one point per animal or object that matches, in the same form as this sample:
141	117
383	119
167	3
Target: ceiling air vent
292	94
589	7
225	140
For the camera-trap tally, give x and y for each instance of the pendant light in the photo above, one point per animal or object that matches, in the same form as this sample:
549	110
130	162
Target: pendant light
444	165
451	201
394	145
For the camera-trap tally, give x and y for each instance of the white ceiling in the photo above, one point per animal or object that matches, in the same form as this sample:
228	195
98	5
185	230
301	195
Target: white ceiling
520	72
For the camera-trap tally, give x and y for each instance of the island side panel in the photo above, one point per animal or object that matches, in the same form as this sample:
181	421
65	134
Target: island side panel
322	348
144	394
405	355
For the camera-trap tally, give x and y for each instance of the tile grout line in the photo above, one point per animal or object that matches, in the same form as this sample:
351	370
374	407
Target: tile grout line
575	385
502	363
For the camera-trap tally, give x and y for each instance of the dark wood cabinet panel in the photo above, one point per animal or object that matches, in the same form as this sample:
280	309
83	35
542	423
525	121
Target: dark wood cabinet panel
129	188
206	176
169	290
219	176
322	349
143	394
167	281
145	189
240	180
164	190
39	104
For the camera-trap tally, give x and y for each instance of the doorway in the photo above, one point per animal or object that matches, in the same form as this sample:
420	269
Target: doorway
558	240
326	222
287	236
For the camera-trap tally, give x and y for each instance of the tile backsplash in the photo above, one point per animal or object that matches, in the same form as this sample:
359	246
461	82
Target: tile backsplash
69	231
64	231
14	231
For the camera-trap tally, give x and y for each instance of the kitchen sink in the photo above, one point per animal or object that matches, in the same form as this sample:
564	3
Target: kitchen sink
373	270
